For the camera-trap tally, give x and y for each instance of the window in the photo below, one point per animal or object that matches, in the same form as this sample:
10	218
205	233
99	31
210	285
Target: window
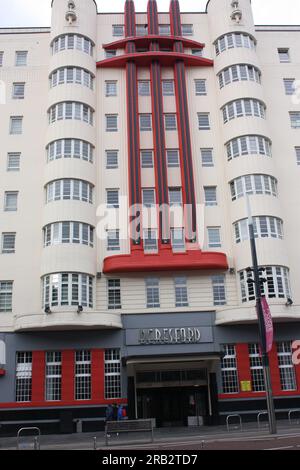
13	161
147	158
284	55
150	240
1	58
232	40
16	125
71	110
214	237
295	120
112	159
110	88
230	383
244	107
53	375
141	29
111	122
210	195
248	145
68	232
70	148
200	87
83	375
253	184
68	189
18	91
113	240
203	121
264	227
144	87
237	73
297	150
256	368
289	86
218	286
181	292
118	30
164	29
148	196
110	54
67	289
152	292
112	198
145	122
72	41
114	294
173	158
187	30
277	285
197	52
21	58
207	157
170	122
10	201
286	367
168	87
8	243
23	376
177	239
112	373
72	75
175	196
6	291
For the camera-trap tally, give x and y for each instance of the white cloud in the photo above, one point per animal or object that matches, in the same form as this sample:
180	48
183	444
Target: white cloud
38	12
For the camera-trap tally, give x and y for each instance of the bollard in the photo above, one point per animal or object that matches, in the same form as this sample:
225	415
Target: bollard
95	443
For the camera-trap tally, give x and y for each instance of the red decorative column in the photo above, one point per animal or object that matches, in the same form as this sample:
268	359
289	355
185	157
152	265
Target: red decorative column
135	191
97	375
243	362
38	376
184	133
158	125
68	376
275	374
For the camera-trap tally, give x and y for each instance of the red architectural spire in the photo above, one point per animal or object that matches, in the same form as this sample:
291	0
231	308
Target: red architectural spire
175	19
152	17
129	18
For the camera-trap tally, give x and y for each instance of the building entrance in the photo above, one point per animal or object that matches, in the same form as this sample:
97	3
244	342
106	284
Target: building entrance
180	406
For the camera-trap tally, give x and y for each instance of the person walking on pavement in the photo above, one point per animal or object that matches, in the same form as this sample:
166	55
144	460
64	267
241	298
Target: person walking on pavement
109	415
120	413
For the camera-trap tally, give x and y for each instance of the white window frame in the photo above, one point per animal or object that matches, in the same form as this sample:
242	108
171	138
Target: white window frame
111	88
69	189
83	375
112	159
144	88
284	55
297	150
68	289
112	202
253	184
18	92
181	291
214	237
150	239
112	374
243	108
53	376
118	30
264	227
13	161
219	289
152	292
113	240
73	110
207	157
147	158
295	119
6	296
187	30
288	380
210	191
72	41
164	29
168	87
8	207
233	40
21	58
200	86
248	145
145	120
23	376
78	233
114	298
170	121
8	245
16	125
256	368
229	370
203	121
70	148
178	243
72	75
173	158
289	86
277	285
175	202
239	72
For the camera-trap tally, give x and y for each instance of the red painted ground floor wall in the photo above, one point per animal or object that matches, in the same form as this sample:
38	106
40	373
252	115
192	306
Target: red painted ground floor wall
244	375
67	382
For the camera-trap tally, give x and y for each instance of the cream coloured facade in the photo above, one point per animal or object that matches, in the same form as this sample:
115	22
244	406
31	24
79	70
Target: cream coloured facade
83	76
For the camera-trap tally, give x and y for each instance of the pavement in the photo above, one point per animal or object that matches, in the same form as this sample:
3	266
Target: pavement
199	438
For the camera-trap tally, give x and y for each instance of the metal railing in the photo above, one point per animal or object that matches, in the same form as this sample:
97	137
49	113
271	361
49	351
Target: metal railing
296	410
236	426
259	415
36	439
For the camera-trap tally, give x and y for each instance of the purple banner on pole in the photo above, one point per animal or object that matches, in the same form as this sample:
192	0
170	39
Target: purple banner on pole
268	324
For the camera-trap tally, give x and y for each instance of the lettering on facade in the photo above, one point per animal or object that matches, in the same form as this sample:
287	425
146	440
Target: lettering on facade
169	335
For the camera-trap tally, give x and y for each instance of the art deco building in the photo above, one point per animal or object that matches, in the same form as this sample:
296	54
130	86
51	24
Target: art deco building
103	297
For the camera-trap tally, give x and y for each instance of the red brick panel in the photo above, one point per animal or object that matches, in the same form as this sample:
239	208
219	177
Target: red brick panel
38	376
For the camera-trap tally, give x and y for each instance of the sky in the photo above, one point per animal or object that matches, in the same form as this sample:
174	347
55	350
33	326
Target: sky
37	12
